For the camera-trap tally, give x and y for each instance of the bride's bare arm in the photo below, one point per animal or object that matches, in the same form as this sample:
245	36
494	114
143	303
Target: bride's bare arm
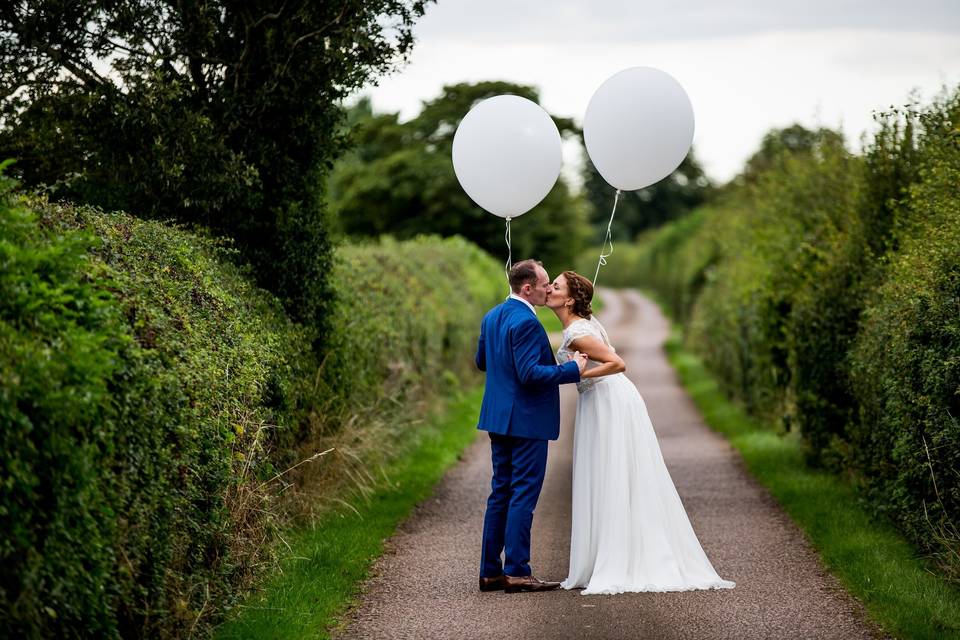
598	351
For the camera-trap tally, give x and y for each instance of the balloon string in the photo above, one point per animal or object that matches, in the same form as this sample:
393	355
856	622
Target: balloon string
509	264
607	240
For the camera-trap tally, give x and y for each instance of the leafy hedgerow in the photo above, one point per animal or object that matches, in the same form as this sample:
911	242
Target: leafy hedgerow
136	365
906	359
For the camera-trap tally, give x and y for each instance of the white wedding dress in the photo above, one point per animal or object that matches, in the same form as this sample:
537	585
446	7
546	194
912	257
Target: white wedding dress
630	531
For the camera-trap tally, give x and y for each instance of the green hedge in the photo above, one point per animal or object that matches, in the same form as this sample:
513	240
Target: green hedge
822	293
906	358
136	366
149	393
405	321
672	262
407	314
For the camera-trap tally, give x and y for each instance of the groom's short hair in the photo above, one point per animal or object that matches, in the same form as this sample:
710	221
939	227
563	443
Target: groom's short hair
523	272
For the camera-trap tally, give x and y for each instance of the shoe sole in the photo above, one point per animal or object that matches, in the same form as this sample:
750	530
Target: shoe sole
534	590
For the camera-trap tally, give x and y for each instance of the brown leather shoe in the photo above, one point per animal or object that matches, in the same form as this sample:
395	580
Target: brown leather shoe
526	583
491	584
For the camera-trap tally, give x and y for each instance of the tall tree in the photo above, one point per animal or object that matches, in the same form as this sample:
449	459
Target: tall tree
399	180
217	112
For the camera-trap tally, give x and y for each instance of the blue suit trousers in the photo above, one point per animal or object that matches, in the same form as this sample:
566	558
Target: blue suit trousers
518	470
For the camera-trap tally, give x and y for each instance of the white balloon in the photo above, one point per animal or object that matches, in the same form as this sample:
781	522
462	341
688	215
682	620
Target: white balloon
507	154
638	127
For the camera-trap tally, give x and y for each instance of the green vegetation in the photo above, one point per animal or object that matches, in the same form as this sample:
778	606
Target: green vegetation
822	289
329	558
905	359
137	371
150	394
408	312
871	559
219	114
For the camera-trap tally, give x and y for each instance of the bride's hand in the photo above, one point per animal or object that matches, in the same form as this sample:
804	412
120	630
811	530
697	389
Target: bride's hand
581	359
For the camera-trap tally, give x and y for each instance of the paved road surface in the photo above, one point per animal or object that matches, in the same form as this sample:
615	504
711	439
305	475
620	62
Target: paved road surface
425	586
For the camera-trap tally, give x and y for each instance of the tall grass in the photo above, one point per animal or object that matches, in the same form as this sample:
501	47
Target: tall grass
329	557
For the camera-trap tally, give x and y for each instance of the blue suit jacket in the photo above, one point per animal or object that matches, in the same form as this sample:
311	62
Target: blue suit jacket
521	397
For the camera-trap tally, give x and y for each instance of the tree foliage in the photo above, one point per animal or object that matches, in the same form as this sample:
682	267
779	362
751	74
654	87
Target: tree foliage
399	180
779	144
221	113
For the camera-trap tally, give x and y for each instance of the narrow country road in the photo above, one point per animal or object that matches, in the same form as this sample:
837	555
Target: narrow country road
425	586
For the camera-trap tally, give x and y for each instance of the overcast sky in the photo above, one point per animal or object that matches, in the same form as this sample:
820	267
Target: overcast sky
747	66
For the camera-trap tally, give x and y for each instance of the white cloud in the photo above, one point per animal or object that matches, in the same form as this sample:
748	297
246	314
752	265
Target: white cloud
617	21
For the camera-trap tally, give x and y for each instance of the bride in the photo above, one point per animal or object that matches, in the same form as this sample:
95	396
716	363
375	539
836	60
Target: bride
630	531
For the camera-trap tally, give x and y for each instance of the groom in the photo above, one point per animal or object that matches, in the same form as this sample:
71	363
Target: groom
521	412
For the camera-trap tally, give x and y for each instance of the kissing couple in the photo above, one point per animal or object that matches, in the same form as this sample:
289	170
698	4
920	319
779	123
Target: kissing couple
629	529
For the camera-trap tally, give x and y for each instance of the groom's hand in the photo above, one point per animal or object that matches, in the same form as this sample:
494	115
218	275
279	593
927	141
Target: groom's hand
581	359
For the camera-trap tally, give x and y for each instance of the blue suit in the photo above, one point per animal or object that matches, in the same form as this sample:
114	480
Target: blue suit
521	412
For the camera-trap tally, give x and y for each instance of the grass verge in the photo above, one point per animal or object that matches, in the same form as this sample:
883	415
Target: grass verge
871	559
320	578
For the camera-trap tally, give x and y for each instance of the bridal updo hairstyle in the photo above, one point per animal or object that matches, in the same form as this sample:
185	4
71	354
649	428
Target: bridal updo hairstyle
581	290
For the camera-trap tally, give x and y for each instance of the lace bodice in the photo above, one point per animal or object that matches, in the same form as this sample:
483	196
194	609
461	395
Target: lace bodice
578	329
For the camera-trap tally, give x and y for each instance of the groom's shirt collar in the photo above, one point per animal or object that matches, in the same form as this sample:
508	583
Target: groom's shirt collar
516	297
